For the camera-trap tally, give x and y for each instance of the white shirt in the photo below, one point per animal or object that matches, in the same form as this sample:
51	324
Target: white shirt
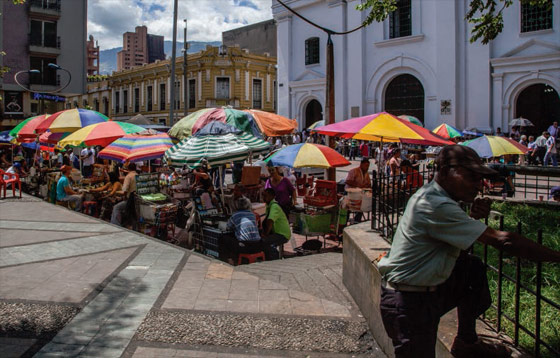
90	160
551	145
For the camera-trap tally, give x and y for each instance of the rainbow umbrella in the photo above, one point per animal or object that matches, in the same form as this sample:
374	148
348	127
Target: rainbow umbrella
307	155
447	131
272	124
70	120
103	134
489	146
192	123
27	128
411	119
317	124
136	148
382	127
52	138
6	138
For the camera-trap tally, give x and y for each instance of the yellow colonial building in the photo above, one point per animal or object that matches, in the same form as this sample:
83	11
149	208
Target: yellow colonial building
216	76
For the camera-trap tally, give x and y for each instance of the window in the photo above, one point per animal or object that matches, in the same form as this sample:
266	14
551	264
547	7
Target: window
222	88
105	106
43	33
84	103
257	94
125	101
312	51
405	95
96	105
117	102
149	99
47	75
535	18
162	97
136	100
275	97
400	23
192	93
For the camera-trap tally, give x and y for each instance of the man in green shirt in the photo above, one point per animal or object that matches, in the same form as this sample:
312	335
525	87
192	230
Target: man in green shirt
428	272
276	228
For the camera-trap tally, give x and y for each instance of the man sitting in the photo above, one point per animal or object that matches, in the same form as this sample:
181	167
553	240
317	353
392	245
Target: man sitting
276	228
64	191
129	186
244	225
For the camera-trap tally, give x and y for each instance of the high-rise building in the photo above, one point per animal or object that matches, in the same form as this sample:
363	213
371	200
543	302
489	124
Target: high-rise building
48	36
92	57
139	48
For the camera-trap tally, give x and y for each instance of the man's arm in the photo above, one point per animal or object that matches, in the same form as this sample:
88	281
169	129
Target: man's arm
518	245
267	227
69	191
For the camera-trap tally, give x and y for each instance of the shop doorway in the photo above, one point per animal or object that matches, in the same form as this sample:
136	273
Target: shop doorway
539	103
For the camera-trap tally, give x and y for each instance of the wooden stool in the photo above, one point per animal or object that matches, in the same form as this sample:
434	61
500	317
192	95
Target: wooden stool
91	206
63	203
251	258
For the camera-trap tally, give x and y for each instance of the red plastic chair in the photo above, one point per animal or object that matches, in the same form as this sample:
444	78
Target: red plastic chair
13	179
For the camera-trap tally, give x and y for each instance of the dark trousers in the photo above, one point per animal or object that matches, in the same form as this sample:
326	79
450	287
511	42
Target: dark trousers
87	171
411	318
539	153
270	242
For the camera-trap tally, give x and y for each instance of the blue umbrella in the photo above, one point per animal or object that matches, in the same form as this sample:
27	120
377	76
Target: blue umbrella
5	137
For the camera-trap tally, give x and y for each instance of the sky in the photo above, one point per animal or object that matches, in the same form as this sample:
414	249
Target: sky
207	19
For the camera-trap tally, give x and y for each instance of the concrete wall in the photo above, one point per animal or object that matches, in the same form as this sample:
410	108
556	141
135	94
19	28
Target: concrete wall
72	29
257	38
14	41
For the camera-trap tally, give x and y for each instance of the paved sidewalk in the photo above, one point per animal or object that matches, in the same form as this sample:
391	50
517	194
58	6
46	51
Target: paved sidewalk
74	286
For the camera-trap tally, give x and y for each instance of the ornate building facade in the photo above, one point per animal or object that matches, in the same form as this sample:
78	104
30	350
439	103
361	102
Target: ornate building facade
216	76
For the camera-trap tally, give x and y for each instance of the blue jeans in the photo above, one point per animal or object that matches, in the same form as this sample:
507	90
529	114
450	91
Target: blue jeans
118	210
76	199
551	156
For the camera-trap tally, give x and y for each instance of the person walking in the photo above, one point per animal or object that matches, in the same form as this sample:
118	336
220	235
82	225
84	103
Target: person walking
551	152
540	142
428	271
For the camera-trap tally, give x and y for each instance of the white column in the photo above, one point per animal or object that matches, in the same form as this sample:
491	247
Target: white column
142	84
246	85
284	46
169	90
155	94
199	85
268	83
114	103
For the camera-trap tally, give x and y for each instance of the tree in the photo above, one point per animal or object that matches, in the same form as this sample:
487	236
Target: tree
485	15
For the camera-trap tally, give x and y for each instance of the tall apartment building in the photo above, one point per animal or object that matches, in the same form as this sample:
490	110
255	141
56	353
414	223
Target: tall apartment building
92	57
48	36
139	48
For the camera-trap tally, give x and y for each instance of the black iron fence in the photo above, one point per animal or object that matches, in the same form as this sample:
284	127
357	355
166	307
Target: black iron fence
513	296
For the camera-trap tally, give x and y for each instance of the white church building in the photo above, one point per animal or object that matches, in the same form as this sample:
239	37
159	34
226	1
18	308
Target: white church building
420	62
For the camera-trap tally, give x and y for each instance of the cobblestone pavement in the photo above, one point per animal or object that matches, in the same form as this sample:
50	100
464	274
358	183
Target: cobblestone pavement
74	286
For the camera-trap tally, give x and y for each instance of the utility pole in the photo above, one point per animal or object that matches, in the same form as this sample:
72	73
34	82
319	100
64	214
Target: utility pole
173	58
329	100
185	83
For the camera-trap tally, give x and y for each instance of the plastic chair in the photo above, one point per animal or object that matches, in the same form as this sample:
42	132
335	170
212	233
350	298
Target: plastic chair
251	258
90	208
13	179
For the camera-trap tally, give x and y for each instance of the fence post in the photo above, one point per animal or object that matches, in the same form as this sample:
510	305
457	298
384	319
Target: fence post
374	199
500	266
538	303
517	292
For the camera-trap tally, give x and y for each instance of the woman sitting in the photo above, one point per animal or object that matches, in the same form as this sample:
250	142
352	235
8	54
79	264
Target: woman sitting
286	194
108	194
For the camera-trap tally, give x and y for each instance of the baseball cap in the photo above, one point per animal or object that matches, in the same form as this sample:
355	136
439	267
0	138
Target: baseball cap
554	192
17	165
462	156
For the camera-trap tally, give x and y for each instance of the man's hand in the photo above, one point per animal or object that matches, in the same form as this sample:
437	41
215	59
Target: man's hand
480	208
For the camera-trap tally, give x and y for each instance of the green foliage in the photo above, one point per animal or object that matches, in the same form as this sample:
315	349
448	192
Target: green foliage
485	15
532	219
97	78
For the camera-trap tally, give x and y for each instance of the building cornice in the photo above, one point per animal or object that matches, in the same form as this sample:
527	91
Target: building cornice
399	41
553	58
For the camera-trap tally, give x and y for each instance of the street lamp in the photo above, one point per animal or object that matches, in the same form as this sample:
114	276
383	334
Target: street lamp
185	84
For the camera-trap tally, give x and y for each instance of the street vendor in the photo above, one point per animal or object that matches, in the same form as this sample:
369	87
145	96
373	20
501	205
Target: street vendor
244	224
88	159
276	228
14	169
64	191
128	188
202	181
359	178
286	194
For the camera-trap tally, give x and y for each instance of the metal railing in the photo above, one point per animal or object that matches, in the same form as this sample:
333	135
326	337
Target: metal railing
46	4
390	196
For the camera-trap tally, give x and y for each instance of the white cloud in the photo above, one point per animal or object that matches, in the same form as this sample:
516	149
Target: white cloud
207	19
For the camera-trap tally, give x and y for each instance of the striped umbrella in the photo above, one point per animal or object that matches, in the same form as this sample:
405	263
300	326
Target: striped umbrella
447	131
307	155
411	119
27	128
489	146
136	148
70	120
216	149
103	134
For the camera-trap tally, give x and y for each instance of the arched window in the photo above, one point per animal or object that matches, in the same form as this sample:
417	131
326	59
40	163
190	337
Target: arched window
312	51
405	95
539	103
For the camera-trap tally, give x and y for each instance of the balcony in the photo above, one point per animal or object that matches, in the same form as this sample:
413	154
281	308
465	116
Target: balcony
219	102
41	45
50	8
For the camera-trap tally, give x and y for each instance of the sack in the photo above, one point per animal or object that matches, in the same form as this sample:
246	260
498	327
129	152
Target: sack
366	201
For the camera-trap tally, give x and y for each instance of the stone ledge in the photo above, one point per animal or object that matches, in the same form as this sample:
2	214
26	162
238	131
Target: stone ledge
362	246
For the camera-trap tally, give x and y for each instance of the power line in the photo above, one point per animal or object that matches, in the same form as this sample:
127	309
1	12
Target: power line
328	31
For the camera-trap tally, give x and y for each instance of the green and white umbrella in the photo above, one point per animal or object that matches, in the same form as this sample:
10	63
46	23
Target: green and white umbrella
217	149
